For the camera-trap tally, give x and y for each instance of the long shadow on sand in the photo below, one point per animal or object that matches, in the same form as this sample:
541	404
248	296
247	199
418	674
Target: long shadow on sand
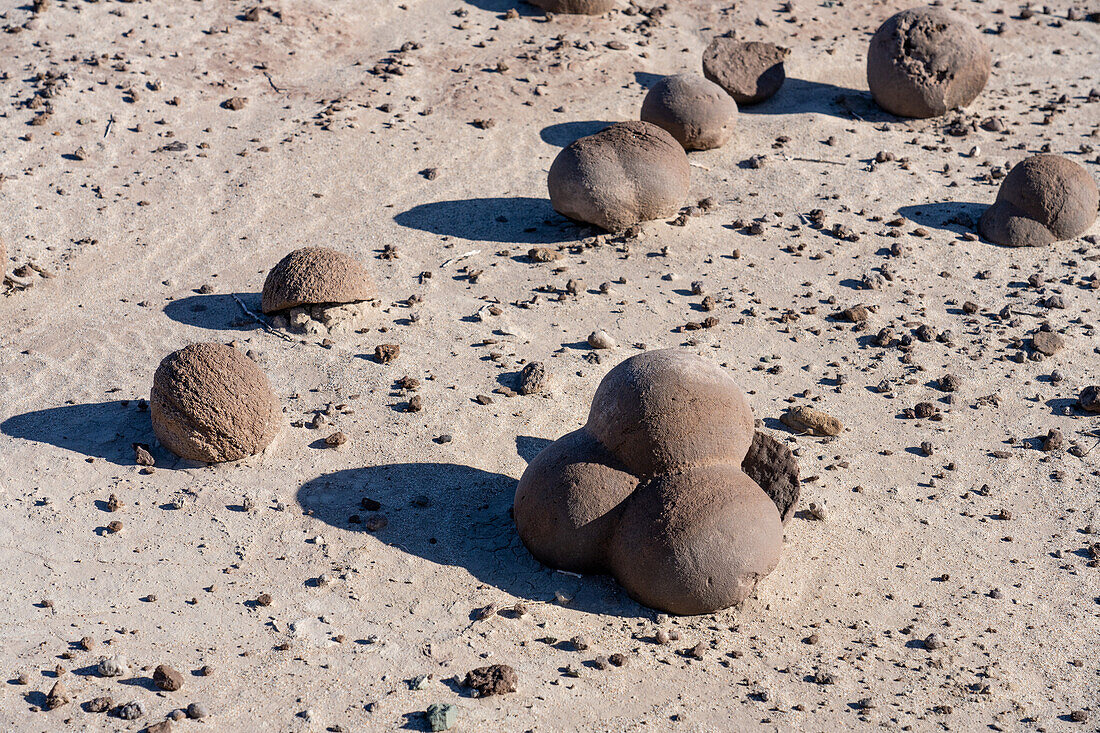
459	516
513	219
954	216
218	311
503	6
564	133
799	96
105	430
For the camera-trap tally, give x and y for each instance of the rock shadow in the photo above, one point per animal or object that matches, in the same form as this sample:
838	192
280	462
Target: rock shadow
218	312
514	220
953	216
801	96
105	430
503	6
459	516
563	133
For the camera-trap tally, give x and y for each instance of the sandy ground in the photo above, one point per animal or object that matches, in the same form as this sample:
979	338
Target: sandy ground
138	189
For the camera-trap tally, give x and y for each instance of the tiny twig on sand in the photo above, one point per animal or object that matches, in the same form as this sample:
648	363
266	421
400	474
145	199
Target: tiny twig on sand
272	83
110	122
817	160
260	320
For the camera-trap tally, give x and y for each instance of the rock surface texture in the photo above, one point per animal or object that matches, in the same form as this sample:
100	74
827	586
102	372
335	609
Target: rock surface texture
212	403
315	275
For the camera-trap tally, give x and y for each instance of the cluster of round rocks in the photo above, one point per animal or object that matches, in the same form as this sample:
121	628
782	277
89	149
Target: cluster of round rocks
922	62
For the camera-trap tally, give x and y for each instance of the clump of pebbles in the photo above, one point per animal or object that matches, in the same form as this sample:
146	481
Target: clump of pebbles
316	290
697	112
749	71
925	61
1043	199
212	403
654	488
623	175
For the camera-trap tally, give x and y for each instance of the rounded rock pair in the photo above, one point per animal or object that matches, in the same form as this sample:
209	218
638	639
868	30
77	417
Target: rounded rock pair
658	488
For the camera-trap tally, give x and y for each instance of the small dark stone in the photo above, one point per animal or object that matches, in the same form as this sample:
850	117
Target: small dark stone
496	679
386	353
167	678
1090	399
533	378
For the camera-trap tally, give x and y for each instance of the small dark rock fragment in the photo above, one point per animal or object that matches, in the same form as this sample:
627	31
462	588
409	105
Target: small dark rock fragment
385	353
496	679
166	678
533	378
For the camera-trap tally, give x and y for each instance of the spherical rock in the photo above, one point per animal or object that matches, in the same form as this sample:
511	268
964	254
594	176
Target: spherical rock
697	540
655	488
627	173
315	276
1043	199
925	61
697	112
667	409
749	71
575	7
212	403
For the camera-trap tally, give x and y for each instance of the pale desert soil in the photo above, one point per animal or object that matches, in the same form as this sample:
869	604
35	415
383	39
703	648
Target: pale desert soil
329	150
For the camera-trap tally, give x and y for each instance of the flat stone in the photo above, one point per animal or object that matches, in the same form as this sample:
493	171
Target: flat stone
809	420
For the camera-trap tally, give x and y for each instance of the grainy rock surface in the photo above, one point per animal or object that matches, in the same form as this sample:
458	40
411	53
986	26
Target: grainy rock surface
749	71
314	276
695	111
625	174
212	403
924	62
1043	199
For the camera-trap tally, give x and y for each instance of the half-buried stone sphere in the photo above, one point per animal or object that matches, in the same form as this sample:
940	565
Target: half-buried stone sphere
1043	199
212	403
625	174
575	7
925	61
315	276
697	112
749	71
655	488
